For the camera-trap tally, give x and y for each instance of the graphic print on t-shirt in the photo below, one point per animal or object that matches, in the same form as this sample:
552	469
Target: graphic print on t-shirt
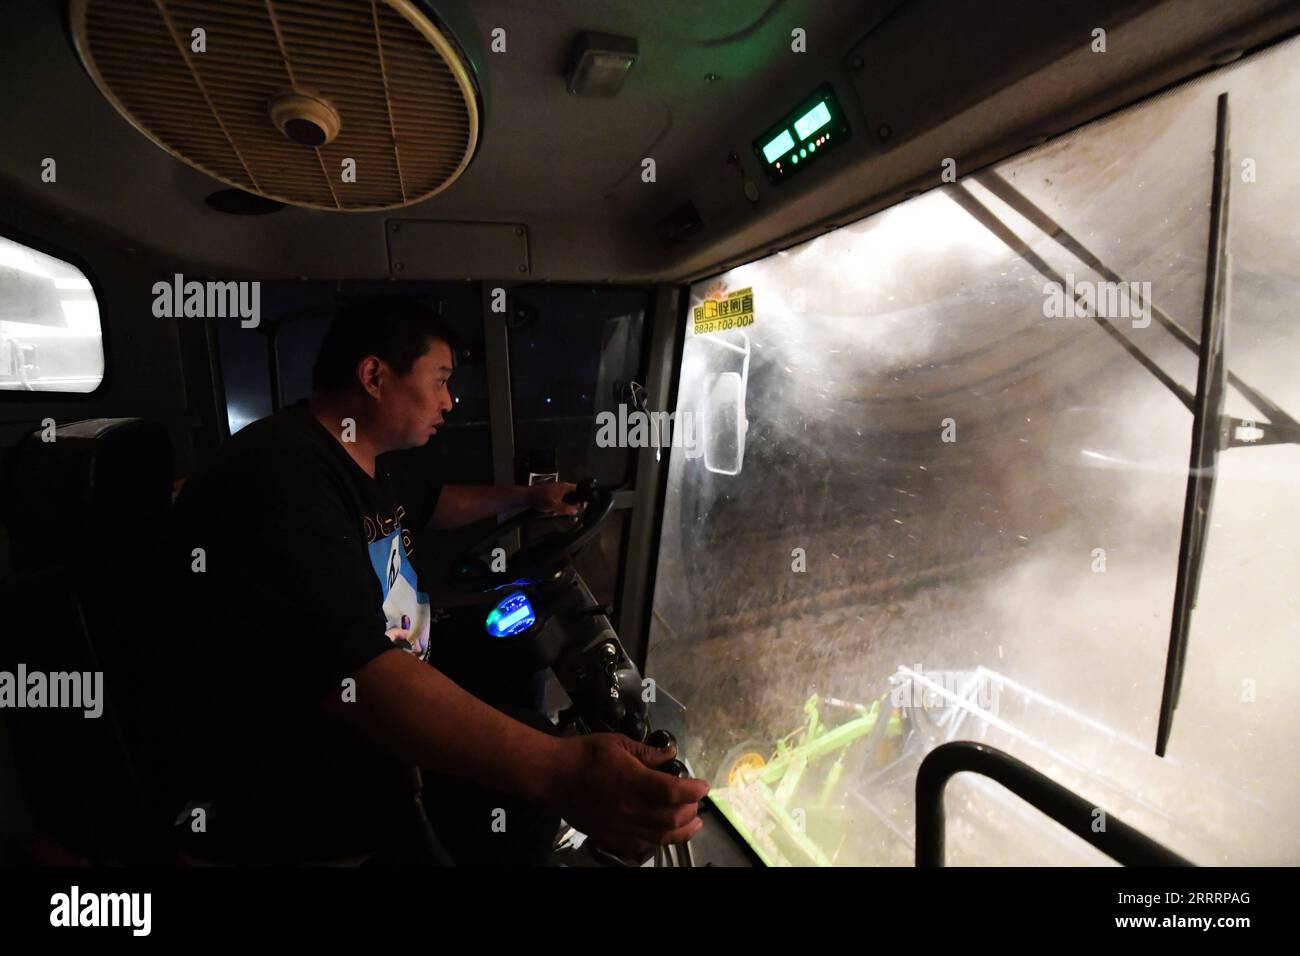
404	605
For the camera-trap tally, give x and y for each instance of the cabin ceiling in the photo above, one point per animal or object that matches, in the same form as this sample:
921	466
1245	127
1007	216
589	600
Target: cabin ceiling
567	169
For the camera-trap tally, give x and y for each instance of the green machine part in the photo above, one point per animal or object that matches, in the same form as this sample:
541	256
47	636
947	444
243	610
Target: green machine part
778	780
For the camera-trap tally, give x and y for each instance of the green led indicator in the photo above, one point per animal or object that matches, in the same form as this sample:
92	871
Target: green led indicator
813	120
812	147
803	152
777	147
794	158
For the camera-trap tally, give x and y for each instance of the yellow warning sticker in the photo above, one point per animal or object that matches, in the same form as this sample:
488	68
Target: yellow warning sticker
734	310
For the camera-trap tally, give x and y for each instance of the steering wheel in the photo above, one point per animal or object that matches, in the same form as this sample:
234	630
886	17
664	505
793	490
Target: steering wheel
537	560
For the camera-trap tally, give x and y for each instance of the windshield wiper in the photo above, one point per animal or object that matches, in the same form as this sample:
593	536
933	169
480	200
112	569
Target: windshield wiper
1212	431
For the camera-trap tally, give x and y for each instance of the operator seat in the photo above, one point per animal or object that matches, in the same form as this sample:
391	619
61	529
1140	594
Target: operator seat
87	515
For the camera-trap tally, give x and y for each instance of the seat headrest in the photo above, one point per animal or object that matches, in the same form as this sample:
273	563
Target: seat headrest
96	486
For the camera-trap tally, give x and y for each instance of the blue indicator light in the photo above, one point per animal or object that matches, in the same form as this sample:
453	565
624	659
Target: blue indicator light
513	614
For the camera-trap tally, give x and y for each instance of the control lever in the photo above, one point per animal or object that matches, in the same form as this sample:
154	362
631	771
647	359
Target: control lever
584	492
678	769
680	852
662	740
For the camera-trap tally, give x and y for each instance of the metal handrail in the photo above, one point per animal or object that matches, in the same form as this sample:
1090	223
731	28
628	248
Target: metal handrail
1115	838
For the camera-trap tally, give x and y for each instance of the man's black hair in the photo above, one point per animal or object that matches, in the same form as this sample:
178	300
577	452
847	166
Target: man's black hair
396	328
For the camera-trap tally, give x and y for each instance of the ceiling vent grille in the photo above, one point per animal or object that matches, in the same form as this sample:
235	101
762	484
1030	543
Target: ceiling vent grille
285	92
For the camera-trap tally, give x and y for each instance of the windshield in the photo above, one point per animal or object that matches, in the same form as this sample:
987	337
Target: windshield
955	510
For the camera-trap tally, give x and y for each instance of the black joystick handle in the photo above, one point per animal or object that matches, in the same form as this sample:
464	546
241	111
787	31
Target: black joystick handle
633	726
662	739
585	491
676	768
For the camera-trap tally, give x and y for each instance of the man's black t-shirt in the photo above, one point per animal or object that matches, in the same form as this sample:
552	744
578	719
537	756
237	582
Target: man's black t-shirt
305	563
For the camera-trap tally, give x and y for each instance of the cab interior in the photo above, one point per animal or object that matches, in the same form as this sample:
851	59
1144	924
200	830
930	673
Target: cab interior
918	507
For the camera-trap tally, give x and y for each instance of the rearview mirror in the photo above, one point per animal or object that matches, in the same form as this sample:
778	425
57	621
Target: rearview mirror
724	424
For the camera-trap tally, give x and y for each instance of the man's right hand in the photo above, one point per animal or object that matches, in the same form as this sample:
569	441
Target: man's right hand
606	786
603	784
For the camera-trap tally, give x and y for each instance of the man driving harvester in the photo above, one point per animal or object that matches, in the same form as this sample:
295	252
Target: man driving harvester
307	705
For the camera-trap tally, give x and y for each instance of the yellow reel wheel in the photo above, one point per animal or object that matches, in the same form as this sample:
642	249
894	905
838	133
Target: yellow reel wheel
745	768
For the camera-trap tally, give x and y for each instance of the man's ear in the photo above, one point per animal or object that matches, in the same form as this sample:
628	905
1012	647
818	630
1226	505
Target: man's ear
370	374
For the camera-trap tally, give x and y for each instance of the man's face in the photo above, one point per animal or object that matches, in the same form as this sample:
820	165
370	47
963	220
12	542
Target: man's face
412	406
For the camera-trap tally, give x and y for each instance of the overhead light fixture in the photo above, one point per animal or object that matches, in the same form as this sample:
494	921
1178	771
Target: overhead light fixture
599	64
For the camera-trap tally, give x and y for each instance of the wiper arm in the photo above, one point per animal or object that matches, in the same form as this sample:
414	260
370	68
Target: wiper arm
1286	428
989	220
1211	430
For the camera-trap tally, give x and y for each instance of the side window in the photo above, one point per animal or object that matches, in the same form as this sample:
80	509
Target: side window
573	352
242	355
572	349
50	335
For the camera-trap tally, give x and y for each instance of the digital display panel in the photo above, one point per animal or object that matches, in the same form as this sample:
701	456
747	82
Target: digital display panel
812	126
512	615
813	120
778	147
